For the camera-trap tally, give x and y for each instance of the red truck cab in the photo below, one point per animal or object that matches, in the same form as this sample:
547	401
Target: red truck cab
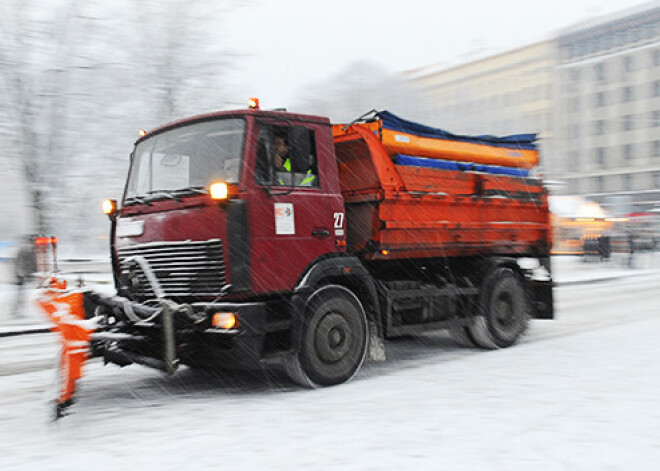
262	236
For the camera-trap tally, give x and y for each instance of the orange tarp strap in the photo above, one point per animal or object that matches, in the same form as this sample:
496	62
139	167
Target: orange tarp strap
66	311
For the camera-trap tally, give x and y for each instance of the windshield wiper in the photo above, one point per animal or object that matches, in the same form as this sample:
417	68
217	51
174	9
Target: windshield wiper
156	194
135	200
192	190
162	194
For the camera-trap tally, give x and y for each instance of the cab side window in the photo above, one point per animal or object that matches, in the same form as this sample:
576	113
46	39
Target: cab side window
286	156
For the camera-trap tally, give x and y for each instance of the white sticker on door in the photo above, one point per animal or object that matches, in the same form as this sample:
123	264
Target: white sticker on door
284	220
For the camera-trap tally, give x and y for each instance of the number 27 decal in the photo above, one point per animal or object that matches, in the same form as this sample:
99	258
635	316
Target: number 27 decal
339	220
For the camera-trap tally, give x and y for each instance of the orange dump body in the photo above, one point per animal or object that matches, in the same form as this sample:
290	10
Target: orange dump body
396	211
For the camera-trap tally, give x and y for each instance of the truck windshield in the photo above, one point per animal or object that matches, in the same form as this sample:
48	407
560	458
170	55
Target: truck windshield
186	160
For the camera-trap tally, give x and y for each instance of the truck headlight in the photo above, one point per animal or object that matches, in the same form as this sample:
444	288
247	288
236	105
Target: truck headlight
219	191
109	207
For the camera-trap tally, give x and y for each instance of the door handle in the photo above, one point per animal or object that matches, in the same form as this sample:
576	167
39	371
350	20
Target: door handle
321	233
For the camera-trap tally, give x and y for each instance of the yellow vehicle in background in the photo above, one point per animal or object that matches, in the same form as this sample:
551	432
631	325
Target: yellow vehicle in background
579	226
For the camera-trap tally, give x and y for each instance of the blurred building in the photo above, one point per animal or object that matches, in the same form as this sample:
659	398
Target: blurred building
508	93
592	93
609	109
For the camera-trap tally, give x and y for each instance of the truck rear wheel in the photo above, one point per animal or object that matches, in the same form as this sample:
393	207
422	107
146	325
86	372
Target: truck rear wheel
334	341
505	310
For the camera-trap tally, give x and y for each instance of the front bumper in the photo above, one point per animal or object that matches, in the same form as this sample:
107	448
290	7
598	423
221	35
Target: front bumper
164	336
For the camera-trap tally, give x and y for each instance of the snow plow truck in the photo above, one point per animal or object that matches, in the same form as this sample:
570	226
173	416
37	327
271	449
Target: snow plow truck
366	231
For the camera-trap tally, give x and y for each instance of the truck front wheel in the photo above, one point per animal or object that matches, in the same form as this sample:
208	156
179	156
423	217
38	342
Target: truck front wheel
505	310
334	341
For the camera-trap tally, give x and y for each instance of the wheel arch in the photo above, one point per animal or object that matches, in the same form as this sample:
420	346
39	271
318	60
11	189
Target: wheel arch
346	271
495	264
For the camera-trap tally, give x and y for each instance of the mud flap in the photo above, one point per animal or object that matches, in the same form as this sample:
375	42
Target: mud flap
376	344
543	304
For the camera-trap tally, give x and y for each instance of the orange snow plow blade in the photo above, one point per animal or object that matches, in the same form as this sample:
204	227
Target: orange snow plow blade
65	309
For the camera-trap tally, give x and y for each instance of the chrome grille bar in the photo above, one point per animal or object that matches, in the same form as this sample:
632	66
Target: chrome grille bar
184	269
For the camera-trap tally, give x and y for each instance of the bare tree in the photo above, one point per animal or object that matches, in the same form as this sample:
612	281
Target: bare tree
33	81
183	55
78	79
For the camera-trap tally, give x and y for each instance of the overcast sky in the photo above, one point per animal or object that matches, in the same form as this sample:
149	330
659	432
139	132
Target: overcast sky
291	43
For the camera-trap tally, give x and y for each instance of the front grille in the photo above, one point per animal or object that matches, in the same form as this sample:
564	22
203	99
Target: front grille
184	269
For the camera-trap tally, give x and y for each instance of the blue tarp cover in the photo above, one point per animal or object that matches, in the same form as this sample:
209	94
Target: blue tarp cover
516	141
402	159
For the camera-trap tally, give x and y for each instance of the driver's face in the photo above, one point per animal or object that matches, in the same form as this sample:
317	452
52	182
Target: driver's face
281	149
280	146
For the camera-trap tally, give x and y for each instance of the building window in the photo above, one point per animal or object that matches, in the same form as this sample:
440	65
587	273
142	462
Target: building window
655	119
600	157
655	148
599	184
627	123
656	179
627	182
656	88
627	94
628	64
600	99
656	57
599	71
599	127
627	154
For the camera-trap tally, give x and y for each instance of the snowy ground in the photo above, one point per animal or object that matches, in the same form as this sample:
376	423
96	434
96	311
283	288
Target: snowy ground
579	393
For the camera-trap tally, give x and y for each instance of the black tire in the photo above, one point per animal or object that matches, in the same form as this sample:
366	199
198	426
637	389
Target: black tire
335	336
505	310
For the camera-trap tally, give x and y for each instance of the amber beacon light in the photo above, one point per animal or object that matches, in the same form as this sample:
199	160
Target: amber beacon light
219	191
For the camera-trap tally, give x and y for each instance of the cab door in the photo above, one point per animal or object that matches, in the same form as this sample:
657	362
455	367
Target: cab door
292	217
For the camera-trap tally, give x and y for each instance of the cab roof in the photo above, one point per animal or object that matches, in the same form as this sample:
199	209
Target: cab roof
244	113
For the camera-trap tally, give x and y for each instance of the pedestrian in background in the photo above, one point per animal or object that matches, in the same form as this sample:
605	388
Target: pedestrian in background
25	266
631	249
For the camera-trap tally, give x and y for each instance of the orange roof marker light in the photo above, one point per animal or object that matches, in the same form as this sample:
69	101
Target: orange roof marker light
253	103
142	132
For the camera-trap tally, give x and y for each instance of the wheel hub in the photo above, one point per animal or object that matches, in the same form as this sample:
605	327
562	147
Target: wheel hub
504	311
332	339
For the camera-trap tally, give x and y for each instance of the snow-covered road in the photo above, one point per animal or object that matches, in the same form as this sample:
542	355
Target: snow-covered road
579	393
